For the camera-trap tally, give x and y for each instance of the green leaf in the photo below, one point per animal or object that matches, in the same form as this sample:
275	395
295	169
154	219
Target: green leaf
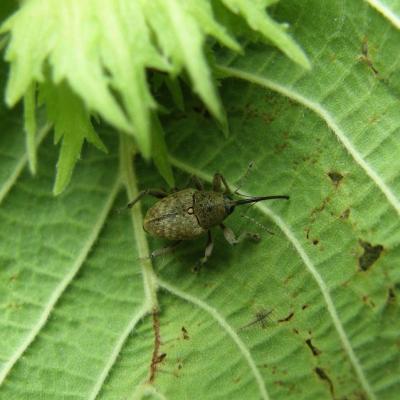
72	124
103	50
160	153
390	9
30	125
254	13
86	314
174	88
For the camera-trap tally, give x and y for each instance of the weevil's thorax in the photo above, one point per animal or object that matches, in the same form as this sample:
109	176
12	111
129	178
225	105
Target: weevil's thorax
173	217
209	208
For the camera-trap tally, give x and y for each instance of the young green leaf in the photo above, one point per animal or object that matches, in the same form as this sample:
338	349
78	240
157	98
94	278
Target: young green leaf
71	124
258	20
30	125
104	49
160	152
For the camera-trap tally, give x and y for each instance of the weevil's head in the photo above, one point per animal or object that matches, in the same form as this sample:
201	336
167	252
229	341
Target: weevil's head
229	204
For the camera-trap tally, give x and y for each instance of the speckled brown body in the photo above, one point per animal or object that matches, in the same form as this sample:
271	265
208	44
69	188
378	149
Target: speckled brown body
185	215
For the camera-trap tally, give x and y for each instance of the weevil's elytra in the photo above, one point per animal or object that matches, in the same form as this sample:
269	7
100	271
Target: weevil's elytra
173	217
190	213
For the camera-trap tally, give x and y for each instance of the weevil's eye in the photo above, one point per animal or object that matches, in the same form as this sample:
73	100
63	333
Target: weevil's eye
228	205
229	209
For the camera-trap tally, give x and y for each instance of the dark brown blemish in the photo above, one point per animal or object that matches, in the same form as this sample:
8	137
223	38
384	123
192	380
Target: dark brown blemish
156	356
304	306
345	214
391	296
320	208
323	376
314	350
370	255
185	334
288	318
368	301
336	177
296	331
161	357
315	242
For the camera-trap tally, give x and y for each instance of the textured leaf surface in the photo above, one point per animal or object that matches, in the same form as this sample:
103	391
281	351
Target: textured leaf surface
72	295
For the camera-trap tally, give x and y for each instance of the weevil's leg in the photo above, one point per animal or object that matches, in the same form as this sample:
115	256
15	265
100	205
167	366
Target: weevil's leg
151	192
207	253
196	182
218	181
232	239
165	250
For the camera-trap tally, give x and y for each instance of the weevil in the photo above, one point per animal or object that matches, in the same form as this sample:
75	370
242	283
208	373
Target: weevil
189	213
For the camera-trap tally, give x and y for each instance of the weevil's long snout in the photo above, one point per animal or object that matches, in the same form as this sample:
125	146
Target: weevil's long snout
257	199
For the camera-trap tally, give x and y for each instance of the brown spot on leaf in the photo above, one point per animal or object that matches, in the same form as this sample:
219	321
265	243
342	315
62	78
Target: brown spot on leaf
345	214
288	318
366	299
321	207
185	334
370	255
314	350
155	359
336	177
323	376
161	357
315	242
304	306
391	296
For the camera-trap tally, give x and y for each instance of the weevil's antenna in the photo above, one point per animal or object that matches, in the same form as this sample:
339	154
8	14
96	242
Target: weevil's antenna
243	178
257	199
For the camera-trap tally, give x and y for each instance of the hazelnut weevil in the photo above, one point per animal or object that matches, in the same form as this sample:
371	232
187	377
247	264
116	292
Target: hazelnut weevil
189	213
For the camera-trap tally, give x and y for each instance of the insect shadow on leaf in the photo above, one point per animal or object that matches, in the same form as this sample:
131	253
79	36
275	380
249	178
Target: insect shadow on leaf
261	318
190	213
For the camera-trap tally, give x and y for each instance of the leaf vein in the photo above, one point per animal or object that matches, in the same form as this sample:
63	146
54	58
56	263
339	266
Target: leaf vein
19	167
386	12
117	349
224	324
57	293
313	271
329	120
